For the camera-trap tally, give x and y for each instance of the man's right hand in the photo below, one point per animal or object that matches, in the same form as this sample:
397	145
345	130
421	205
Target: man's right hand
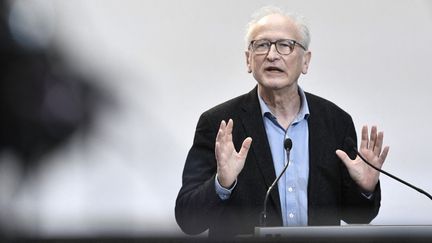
229	162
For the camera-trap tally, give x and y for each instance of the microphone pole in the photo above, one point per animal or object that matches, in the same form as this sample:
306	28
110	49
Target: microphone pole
351	143
263	218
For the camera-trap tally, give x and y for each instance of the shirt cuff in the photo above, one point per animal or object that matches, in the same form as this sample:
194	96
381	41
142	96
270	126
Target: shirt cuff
223	192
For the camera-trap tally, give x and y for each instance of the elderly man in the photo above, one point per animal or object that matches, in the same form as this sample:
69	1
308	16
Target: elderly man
238	147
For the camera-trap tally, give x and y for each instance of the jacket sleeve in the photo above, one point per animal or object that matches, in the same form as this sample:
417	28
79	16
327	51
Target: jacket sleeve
356	207
197	202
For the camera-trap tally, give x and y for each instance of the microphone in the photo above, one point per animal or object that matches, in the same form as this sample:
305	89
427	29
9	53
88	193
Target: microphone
351	144
263	218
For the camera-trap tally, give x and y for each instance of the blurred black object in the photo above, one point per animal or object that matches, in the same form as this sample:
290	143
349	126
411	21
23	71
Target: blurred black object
42	103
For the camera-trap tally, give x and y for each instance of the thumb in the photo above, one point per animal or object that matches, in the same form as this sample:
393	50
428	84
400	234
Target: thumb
343	156
245	147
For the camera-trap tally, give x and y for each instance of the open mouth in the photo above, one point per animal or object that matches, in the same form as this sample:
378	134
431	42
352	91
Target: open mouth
273	69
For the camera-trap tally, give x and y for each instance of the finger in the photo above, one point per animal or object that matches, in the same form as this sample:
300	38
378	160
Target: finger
217	152
245	147
383	155
230	125
373	138
222	125
219	146
344	157
228	131
364	138
378	145
220	134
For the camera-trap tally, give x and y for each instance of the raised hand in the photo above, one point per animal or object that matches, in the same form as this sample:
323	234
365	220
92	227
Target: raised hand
371	149
229	162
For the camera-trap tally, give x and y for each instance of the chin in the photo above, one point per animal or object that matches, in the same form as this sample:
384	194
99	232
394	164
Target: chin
275	84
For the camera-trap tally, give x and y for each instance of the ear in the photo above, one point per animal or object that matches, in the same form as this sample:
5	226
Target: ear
306	60
247	55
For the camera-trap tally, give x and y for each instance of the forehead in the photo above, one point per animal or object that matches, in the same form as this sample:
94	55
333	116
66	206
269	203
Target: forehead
275	26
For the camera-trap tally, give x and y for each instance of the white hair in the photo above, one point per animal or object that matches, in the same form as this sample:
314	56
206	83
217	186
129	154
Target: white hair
298	20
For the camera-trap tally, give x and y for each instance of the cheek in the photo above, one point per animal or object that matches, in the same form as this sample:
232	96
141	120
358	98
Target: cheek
255	63
295	65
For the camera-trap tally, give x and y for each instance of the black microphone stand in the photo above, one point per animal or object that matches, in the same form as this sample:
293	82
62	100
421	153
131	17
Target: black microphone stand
263	217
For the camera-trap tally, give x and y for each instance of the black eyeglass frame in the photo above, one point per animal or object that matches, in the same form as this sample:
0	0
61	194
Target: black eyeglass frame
293	43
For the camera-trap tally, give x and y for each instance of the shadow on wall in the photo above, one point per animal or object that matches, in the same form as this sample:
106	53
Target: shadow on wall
42	102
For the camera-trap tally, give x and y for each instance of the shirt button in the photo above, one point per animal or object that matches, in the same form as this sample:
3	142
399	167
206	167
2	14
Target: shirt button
291	215
290	189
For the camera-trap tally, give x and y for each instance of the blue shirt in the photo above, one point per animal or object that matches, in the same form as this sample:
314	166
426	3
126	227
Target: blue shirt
293	184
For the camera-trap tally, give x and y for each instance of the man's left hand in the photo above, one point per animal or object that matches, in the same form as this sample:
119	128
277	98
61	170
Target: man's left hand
371	149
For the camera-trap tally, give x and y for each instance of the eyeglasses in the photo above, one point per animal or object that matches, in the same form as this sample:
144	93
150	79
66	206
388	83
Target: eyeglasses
283	46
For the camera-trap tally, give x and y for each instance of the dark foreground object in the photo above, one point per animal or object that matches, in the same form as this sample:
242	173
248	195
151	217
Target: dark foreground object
357	233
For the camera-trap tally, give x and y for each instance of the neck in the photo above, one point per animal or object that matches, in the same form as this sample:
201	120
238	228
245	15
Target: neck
284	103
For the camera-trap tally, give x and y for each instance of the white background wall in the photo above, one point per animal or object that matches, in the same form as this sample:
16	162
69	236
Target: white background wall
166	62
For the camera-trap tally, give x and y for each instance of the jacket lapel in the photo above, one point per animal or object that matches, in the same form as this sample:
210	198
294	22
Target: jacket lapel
253	124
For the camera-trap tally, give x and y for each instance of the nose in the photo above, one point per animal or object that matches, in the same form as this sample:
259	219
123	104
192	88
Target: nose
273	54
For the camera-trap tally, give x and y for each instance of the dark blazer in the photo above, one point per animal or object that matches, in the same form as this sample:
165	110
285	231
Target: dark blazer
332	195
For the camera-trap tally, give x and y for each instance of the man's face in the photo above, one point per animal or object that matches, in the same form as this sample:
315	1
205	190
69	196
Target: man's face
273	70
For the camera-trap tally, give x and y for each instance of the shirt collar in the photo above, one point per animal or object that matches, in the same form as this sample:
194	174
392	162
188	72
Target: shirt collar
304	107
